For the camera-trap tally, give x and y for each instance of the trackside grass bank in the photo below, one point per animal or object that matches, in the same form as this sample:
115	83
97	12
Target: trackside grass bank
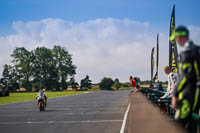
20	97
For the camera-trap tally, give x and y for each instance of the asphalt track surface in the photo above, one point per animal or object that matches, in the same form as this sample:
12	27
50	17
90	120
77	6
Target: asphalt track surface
95	112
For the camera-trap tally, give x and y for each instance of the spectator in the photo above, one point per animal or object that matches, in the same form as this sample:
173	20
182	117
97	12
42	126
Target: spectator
132	81
172	78
159	86
137	83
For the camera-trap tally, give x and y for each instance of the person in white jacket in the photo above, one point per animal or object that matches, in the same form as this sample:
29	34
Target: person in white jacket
42	95
172	78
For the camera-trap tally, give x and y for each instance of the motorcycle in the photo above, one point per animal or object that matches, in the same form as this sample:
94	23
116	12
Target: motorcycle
41	104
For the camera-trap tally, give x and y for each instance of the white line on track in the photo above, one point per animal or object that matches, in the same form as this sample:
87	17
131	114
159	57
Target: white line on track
59	122
125	118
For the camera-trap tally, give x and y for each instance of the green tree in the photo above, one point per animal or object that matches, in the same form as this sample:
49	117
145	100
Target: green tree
43	68
85	83
73	83
64	65
40	68
117	84
126	84
14	83
5	81
106	84
8	80
22	59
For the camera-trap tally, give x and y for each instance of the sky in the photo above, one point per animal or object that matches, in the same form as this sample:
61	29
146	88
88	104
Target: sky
107	38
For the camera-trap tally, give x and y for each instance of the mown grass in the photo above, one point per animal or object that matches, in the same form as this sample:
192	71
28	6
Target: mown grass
20	97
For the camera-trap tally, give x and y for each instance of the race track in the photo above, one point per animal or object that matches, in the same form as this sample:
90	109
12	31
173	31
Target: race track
95	112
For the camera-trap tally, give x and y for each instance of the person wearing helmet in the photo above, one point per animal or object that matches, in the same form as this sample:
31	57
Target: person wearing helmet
42	95
186	93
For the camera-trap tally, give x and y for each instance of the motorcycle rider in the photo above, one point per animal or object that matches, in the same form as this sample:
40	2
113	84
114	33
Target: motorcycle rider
42	95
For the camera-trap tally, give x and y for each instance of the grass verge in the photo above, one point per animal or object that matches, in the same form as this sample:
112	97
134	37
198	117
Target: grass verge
29	96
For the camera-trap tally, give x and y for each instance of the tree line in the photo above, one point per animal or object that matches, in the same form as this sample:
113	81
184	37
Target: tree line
52	69
149	82
38	69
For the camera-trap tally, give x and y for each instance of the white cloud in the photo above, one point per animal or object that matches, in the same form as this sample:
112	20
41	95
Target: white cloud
101	47
195	33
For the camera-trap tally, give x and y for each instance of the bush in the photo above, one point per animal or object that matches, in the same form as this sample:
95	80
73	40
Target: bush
117	84
106	84
85	83
127	84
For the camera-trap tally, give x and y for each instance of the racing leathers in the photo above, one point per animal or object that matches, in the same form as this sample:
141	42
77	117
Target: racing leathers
186	90
42	95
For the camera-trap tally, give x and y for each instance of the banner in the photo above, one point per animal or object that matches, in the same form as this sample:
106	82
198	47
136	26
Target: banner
152	63
157	59
173	53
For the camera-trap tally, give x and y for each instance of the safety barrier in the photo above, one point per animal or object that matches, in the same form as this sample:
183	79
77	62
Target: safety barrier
154	96
164	105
